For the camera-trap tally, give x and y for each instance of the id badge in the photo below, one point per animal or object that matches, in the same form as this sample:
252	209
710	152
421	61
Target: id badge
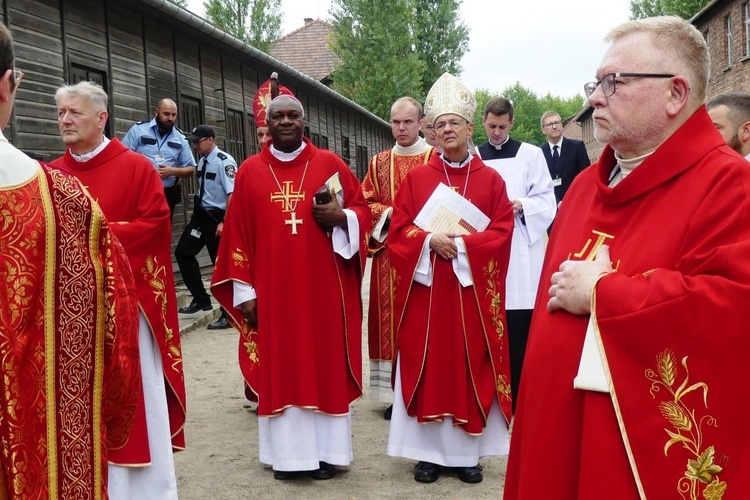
160	158
195	233
557	182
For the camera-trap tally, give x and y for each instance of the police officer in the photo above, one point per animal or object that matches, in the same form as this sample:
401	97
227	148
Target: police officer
167	148
216	171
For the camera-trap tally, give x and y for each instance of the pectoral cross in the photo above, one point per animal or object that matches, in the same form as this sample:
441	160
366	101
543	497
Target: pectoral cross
293	222
287	196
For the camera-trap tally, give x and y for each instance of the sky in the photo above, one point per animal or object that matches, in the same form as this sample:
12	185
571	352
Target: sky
549	46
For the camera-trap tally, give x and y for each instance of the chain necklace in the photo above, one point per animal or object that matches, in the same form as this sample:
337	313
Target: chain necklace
285	194
468	171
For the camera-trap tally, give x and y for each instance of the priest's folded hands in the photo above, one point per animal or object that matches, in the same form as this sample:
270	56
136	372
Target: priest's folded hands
443	245
573	285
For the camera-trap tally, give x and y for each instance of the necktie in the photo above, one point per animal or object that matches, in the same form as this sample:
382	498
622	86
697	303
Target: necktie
202	178
555	162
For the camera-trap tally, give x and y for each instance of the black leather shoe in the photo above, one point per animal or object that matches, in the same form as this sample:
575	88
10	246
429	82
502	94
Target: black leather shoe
219	324
284	475
194	308
426	472
388	412
470	474
325	471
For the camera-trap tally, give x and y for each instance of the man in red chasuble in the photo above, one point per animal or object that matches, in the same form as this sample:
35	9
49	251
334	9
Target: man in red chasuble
635	380
452	399
129	192
384	176
71	382
289	272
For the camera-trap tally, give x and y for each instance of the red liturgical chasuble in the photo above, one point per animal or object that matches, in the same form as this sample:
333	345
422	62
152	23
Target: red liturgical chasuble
131	195
453	345
71	381
672	325
384	176
306	350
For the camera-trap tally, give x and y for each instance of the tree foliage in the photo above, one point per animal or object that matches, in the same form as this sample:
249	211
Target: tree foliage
686	9
256	22
378	63
527	110
388	49
442	38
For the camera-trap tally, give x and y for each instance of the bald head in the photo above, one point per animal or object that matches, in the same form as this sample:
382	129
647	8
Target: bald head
165	114
285	101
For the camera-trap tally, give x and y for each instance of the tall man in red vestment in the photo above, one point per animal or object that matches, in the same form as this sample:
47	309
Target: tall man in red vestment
127	188
267	91
452	397
71	382
289	273
386	171
635	381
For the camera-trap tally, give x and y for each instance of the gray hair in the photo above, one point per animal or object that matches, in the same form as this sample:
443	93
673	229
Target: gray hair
90	91
282	100
682	43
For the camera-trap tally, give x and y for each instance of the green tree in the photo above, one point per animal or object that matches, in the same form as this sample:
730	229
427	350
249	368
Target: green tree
256	22
441	36
686	9
527	110
378	61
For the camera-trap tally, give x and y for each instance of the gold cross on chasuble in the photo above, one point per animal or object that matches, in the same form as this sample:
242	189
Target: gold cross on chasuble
293	222
286	197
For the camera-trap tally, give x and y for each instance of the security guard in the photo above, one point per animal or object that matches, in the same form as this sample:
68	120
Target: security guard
216	171
167	148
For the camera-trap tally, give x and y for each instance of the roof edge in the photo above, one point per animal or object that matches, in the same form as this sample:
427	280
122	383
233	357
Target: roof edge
198	23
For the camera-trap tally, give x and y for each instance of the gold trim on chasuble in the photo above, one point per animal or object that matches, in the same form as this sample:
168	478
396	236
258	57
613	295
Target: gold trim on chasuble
492	276
687	428
74	398
156	276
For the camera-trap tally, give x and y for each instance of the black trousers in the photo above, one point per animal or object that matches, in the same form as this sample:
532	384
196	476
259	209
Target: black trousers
519	322
202	224
173	194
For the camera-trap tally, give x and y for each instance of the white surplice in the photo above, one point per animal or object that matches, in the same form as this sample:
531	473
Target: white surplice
526	179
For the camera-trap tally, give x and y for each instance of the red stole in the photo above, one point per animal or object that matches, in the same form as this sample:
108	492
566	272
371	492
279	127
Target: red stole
68	339
131	195
452	340
672	323
384	176
306	350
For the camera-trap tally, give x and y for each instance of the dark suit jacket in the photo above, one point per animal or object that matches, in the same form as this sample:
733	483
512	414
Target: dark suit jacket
573	159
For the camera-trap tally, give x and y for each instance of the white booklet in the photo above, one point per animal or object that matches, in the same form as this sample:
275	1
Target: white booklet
446	211
591	375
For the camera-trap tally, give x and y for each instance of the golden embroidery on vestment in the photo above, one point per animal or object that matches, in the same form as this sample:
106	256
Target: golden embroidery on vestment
252	351
687	428
412	232
492	275
155	276
503	387
239	258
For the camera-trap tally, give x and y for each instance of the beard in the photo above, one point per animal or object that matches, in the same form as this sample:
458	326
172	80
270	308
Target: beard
164	128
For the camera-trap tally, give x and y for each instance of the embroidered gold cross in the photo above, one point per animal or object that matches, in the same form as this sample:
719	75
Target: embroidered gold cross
293	222
287	196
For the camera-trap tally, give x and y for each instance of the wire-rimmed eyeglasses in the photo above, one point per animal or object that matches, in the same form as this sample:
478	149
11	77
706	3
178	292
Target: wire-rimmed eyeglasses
609	82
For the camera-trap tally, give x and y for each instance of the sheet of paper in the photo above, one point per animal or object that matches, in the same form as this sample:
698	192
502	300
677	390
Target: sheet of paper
334	186
446	211
591	375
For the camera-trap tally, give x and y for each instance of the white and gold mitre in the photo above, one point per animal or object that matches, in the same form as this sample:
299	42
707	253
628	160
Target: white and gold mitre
449	96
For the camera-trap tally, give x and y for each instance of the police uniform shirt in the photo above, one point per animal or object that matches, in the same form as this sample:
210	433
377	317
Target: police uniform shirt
172	149
220	169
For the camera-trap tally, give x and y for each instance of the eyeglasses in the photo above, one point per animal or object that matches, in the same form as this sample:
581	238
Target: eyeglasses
609	82
18	76
454	125
198	141
553	124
